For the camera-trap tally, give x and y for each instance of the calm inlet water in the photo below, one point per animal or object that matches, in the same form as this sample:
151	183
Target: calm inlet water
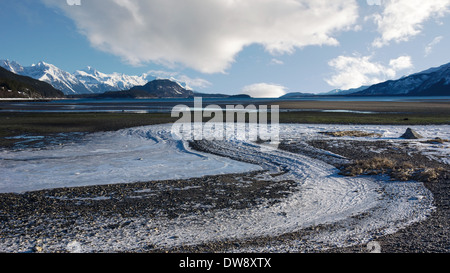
166	105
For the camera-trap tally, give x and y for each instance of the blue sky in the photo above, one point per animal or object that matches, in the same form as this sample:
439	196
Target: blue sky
262	47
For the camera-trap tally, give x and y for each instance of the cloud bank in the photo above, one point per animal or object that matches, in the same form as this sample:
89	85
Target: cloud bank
207	35
357	71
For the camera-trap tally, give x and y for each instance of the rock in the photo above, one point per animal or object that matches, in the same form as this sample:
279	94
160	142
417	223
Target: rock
411	134
37	249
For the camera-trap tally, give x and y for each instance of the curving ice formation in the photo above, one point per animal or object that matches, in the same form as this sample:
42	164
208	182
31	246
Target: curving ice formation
352	210
130	155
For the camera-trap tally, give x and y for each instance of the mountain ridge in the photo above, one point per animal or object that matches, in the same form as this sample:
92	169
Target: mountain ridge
159	88
91	83
431	82
434	81
13	85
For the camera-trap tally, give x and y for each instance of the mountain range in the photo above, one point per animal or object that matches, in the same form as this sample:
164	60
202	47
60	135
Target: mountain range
430	82
86	81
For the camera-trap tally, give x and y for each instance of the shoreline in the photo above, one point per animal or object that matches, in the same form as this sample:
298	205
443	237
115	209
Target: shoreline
16	123
440	107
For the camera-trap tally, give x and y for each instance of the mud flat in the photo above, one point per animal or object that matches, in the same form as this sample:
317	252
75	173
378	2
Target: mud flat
411	106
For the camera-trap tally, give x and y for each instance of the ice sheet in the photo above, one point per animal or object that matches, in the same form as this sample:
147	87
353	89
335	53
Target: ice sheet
131	155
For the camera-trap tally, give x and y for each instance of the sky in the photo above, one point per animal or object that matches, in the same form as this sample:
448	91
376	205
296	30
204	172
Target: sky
264	48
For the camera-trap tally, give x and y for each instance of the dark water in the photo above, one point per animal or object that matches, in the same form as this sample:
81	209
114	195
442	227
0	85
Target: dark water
166	105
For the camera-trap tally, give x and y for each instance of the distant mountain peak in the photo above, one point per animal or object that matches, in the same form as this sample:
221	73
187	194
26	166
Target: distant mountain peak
164	88
158	88
11	66
89	70
44	65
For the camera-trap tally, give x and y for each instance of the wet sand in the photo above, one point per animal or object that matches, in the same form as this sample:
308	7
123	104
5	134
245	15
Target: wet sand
424	107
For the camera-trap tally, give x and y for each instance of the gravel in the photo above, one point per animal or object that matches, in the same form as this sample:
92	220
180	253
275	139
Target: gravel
429	236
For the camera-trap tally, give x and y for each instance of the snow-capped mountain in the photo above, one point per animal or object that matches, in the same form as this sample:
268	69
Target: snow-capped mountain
11	66
98	82
431	82
84	81
48	73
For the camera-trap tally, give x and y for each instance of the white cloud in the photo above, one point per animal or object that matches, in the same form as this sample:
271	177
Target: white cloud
430	46
207	35
356	71
403	19
403	62
275	61
264	90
